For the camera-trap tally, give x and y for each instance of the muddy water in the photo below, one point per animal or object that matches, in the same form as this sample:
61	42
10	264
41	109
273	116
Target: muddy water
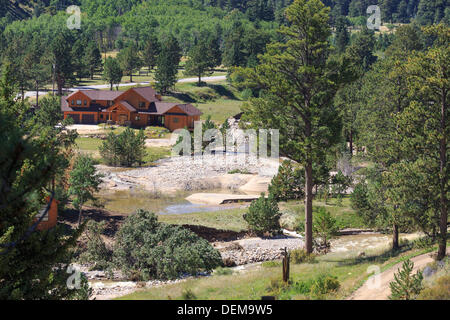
128	201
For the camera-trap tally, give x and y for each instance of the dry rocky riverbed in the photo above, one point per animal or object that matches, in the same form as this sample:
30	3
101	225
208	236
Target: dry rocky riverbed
188	174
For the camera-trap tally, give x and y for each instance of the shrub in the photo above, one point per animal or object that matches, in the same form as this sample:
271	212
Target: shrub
406	286
125	149
263	216
148	249
325	226
96	252
359	198
439	291
288	183
340	184
223	271
247	94
324	284
84	292
301	256
188	294
156	132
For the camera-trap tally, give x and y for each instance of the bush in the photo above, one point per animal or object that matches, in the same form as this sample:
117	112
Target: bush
359	198
84	292
263	216
324	284
325	226
340	184
125	149
406	286
247	94
439	291
147	249
156	132
96	252
223	271
301	256
288	184
188	294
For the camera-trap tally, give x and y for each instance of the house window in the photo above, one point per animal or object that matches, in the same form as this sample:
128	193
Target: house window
73	101
176	120
101	116
85	102
141	105
138	118
79	102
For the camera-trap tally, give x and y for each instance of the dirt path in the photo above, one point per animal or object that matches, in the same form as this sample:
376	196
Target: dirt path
370	291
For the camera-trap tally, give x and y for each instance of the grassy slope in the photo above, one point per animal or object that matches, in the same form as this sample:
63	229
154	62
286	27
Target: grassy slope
257	282
346	217
293	213
91	145
225	219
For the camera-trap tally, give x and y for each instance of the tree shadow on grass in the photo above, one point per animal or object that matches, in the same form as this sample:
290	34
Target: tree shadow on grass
183	96
377	258
223	91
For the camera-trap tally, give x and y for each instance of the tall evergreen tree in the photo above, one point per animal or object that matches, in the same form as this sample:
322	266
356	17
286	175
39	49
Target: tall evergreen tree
33	264
342	36
200	62
62	59
420	181
167	65
299	84
112	73
93	58
129	60
150	52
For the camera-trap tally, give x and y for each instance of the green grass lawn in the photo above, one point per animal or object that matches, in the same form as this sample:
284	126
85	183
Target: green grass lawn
91	145
265	279
224	219
216	99
139	78
294	213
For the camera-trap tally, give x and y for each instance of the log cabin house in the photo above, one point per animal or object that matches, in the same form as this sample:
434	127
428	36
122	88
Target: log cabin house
136	107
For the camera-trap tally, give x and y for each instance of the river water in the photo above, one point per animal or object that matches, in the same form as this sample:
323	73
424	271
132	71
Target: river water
128	201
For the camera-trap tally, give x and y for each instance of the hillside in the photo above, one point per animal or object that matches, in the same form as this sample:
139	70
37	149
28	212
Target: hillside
392	11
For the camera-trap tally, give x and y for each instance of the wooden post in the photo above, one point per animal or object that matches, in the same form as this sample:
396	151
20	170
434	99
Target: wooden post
286	265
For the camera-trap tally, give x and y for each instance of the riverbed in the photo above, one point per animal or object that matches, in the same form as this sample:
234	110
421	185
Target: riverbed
129	201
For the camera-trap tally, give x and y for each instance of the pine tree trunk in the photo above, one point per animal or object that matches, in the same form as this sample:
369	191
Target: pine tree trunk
131	76
79	215
443	184
351	143
395	244
37	94
308	207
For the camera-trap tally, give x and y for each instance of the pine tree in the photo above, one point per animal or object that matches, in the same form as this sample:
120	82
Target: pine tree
62	59
129	60
151	52
33	264
84	182
93	58
342	36
420	181
299	85
167	65
406	286
112	72
200	62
